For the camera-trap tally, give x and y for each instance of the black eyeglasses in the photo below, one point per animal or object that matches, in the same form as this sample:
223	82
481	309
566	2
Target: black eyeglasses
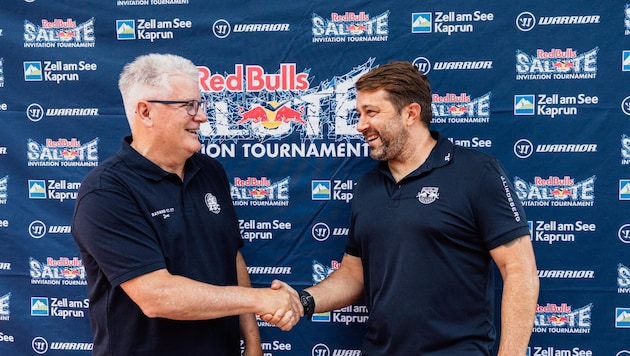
192	106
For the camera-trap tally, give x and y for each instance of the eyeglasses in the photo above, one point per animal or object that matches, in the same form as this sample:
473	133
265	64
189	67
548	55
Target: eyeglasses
192	106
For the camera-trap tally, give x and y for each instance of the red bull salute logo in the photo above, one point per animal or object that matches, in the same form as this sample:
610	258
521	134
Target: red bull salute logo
250	104
556	64
562	319
555	191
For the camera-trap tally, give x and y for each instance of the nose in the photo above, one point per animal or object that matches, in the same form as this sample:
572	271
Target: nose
362	125
201	116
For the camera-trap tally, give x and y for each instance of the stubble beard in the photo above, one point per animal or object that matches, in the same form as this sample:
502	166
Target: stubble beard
393	139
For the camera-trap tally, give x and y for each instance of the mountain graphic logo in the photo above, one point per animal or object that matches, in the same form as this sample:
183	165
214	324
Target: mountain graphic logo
39	306
622	317
125	29
36	189
33	71
320	190
524	104
421	22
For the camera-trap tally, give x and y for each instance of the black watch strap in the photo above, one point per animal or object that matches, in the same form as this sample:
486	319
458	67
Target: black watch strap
308	303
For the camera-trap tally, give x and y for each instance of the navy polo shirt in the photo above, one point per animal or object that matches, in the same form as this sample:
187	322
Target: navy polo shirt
132	218
424	243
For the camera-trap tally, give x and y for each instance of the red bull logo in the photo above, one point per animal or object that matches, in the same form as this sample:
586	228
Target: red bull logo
71	272
66	35
457	110
356	29
561	193
271	115
258	193
558	320
69	154
563	66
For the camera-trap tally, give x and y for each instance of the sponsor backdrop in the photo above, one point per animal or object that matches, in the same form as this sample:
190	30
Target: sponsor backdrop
543	87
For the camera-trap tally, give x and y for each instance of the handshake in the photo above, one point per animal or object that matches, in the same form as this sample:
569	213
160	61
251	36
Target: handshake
280	305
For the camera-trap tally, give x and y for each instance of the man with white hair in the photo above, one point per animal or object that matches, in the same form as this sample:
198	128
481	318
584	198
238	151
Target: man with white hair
159	235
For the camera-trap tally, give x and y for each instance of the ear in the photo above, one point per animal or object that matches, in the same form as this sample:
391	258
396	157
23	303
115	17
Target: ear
411	113
143	111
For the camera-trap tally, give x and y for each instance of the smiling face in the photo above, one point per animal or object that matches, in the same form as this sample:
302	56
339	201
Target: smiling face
382	125
165	133
174	130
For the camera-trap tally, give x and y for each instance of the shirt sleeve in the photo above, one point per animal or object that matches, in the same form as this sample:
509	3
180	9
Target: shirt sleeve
500	214
108	226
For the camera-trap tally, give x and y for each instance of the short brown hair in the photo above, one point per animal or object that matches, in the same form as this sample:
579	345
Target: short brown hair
404	85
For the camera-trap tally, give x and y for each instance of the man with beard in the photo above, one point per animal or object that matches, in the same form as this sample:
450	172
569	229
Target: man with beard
426	226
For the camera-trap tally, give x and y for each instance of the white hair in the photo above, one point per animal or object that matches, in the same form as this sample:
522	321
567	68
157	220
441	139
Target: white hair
148	75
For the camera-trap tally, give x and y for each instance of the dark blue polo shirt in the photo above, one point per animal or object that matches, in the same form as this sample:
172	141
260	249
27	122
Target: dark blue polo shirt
131	218
424	244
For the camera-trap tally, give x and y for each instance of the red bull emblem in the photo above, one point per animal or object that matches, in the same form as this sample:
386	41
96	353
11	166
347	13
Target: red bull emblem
70	272
563	66
558	320
457	110
258	193
356	29
69	154
66	35
561	193
271	115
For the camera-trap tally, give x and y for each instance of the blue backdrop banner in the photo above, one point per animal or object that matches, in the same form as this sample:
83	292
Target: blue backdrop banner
543	86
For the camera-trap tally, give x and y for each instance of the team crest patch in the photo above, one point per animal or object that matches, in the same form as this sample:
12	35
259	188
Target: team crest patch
428	195
212	203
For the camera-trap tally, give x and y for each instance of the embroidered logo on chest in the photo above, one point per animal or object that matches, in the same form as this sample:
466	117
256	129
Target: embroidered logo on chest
166	213
428	195
212	203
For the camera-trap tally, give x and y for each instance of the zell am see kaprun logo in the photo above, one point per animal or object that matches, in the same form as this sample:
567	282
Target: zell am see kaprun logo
253	192
52	189
551	105
447	22
62	153
562	319
252	110
150	29
59	33
460	109
63	307
556	64
350	27
56	71
556	192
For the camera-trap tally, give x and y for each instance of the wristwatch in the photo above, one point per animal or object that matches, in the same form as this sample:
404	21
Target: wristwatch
308	303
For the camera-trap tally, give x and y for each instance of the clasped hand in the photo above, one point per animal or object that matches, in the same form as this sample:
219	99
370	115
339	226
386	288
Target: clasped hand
282	306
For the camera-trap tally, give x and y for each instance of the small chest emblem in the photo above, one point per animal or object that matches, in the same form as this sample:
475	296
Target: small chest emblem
428	195
212	203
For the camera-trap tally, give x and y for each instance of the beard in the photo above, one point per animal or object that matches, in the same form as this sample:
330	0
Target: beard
393	139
